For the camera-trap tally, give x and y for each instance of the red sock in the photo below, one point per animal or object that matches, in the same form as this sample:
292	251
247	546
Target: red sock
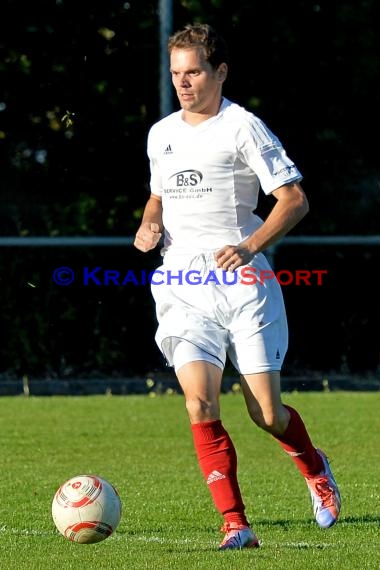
218	462
296	442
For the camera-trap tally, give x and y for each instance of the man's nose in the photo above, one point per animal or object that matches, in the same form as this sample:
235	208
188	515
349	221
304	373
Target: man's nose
184	80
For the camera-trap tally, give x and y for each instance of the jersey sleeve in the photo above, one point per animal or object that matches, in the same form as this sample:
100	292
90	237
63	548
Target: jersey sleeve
263	152
155	177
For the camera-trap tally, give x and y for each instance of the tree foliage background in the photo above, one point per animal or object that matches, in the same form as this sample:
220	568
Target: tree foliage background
79	89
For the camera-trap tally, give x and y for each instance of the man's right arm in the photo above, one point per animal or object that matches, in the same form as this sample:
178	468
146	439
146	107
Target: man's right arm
150	231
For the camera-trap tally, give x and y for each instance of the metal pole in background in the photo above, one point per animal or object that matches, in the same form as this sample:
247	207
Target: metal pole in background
165	11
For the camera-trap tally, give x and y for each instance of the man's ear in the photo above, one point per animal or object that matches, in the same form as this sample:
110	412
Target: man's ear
222	72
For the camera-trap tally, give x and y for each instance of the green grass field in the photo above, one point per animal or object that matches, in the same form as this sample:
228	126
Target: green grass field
143	446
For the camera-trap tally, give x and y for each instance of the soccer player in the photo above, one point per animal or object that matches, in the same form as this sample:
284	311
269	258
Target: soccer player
208	161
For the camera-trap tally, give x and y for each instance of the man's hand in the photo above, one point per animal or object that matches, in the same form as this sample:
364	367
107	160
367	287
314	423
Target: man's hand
147	237
230	257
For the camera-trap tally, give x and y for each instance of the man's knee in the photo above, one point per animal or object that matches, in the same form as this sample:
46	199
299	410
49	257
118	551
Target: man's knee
273	421
201	410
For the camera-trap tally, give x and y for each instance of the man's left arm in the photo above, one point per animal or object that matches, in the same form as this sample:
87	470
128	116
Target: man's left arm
291	206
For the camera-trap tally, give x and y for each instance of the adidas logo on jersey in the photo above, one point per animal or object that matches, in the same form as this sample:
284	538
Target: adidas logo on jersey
168	150
215	476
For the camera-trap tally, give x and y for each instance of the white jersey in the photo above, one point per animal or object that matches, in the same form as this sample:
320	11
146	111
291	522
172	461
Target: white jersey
209	177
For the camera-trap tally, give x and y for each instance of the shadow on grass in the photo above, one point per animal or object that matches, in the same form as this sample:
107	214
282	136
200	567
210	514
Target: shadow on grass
288	523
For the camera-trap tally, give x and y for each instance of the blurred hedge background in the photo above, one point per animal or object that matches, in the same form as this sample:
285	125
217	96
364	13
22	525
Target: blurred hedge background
79	89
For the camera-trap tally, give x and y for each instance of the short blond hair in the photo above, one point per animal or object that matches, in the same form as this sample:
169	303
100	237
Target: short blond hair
203	36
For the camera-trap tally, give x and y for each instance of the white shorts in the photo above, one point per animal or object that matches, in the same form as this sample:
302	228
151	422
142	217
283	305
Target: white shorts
186	352
222	313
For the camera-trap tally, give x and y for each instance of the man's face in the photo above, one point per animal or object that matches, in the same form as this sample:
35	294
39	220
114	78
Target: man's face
197	84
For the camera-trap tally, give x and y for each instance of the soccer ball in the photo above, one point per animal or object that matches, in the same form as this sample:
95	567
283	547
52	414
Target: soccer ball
86	509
